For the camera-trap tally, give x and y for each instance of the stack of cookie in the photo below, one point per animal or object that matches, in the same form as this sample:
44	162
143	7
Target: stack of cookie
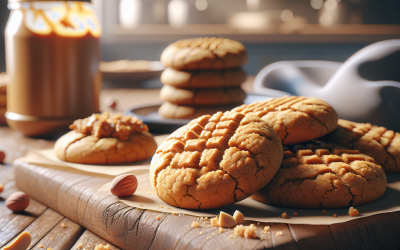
221	159
3	97
203	76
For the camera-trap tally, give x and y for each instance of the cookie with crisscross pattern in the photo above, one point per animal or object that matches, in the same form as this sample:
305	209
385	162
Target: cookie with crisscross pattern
295	119
316	175
215	161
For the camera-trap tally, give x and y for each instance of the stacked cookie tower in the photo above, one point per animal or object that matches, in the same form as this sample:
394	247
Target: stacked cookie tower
3	97
203	76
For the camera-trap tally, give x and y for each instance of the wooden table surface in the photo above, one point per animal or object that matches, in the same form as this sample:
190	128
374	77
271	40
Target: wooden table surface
375	232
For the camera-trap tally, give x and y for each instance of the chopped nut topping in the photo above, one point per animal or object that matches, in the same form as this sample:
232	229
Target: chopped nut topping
104	125
353	212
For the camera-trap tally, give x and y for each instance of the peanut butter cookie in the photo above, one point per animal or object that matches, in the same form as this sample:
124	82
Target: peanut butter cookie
203	97
295	119
104	139
381	144
209	53
215	161
203	79
316	175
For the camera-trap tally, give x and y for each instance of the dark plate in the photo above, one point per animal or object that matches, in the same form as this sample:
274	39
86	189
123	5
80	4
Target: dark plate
158	124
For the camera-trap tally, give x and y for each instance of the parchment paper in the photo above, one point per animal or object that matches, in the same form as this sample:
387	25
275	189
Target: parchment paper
47	158
146	198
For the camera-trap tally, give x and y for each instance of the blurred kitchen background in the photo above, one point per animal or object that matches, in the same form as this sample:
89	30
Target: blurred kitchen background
271	30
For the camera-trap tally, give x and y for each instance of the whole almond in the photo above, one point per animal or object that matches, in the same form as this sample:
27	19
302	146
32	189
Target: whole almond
17	201
124	185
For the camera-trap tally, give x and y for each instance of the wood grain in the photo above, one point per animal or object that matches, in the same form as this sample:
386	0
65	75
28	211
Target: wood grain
89	241
312	236
60	238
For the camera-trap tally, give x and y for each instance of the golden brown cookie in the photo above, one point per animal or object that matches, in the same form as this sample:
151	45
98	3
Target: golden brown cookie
203	97
316	175
204	53
174	111
106	139
81	148
203	78
381	144
295	119
215	161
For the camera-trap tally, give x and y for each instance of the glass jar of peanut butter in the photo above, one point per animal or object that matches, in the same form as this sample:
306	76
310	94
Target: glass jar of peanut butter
52	58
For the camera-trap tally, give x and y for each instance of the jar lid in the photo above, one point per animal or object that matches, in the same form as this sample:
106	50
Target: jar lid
27	1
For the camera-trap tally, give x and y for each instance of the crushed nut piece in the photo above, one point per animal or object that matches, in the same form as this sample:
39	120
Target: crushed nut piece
267	228
158	218
215	222
279	233
63	225
285	216
238	216
195	224
101	247
249	232
295	214
353	212
226	220
335	215
104	125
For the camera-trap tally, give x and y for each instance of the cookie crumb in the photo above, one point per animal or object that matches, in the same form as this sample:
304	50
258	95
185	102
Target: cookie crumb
79	245
249	232
295	214
195	224
201	233
63	225
335	215
161	207
221	229
158	218
267	228
353	212
232	236
215	222
324	211
141	205
261	238
51	238
41	246
102	247
279	233
174	213
285	216
37	226
258	223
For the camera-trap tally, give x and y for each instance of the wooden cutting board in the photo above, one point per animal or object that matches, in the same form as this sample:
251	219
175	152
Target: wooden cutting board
77	196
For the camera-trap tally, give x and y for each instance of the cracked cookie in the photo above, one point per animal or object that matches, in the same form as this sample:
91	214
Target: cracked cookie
316	175
170	110
295	119
215	161
105	139
203	97
203	79
208	53
381	144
